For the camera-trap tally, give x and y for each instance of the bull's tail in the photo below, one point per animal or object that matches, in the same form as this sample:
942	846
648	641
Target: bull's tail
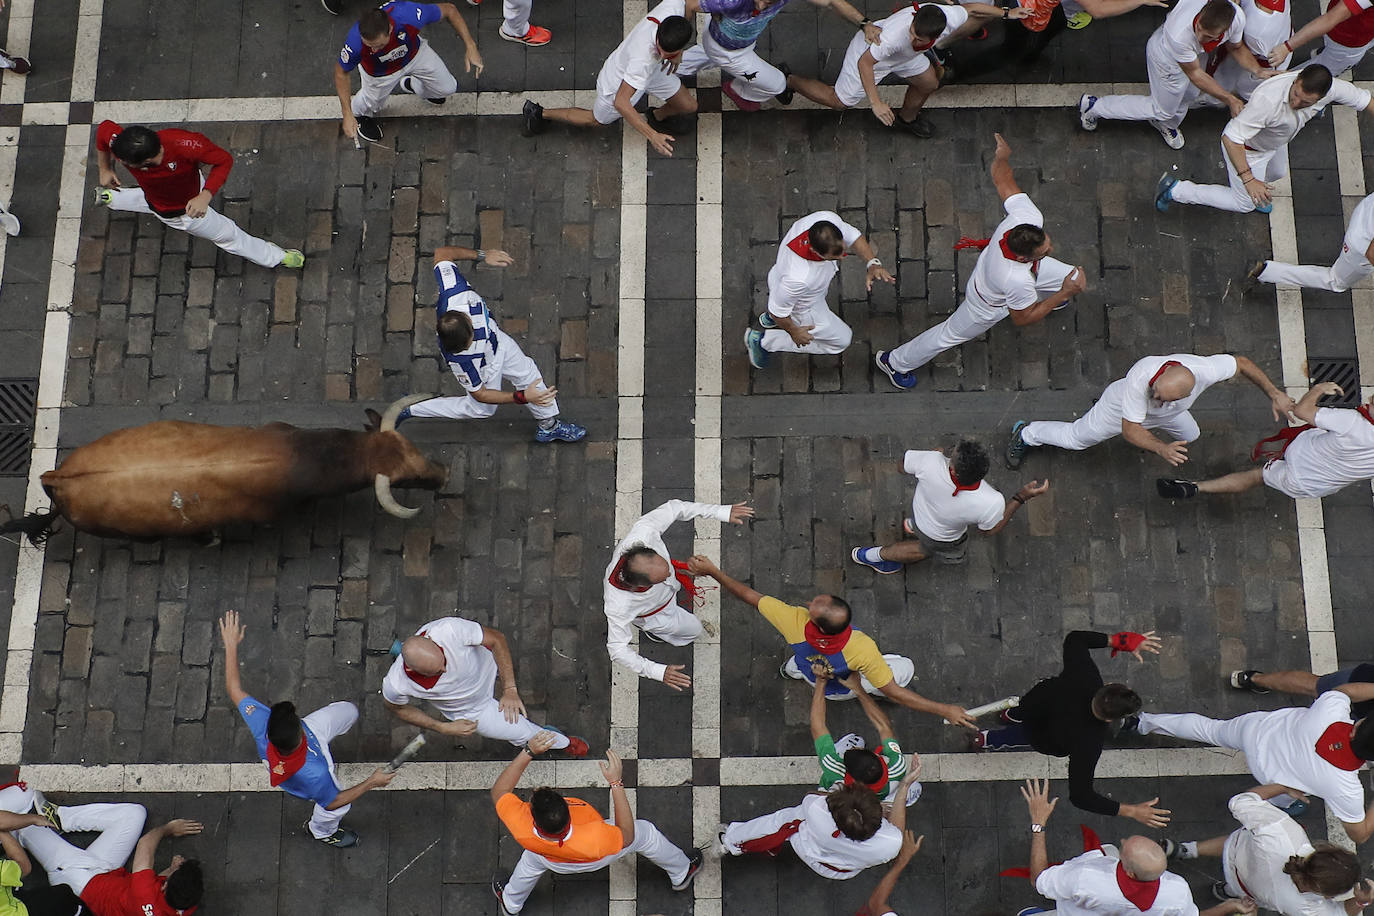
36	525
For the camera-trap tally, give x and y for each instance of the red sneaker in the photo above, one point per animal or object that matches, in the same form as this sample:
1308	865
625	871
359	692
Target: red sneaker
577	747
534	36
739	100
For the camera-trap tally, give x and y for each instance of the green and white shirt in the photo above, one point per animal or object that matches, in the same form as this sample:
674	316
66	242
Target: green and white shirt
833	771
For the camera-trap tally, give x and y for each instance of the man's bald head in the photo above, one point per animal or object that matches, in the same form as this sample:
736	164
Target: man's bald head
1174	385
422	655
1143	858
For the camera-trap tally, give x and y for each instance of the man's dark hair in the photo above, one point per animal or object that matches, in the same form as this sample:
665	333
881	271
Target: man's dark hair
834	622
185	886
374	24
856	810
864	765
1315	79
136	145
632	577
929	21
455	332
284	727
1025	240
1328	869
970	462
1116	701
826	239
1362	739
550	811
674	34
1217	14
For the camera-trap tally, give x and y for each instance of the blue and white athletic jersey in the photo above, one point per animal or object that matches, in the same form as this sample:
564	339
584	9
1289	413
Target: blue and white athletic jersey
401	46
736	24
476	365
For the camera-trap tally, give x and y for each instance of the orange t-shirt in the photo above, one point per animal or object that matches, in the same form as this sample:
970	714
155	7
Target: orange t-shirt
589	838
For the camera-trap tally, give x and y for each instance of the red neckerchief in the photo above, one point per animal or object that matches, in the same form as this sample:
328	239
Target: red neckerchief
1273	447
1334	746
878	786
801	247
426	681
556	839
1273	6
959	487
685	579
925	47
1012	256
824	642
1141	894
281	768
615	578
1364	412
1154	378
1208	46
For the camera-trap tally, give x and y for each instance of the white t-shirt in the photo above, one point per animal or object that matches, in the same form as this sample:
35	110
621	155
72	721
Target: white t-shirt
839	857
1283	749
1130	397
1339	452
469	675
636	59
1255	856
1086	886
1176	39
939	512
999	283
894	51
796	283
1268	122
1266	29
1359	235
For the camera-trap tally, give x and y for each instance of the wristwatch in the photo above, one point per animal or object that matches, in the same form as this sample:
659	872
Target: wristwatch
1037	828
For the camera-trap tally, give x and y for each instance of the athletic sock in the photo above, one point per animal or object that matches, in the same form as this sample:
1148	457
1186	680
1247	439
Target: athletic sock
548	423
871	554
1187	850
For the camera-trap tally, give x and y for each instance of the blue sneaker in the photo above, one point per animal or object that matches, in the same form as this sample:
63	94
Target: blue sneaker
1296	808
1016	446
753	342
886	567
1030	910
1164	192
404	415
766	321
561	431
1265	208
395	650
1086	119
903	380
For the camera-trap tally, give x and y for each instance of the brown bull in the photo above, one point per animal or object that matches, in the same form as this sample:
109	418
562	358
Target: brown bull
172	478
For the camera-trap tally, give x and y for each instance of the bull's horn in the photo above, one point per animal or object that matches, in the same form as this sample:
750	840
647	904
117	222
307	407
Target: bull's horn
388	502
394	411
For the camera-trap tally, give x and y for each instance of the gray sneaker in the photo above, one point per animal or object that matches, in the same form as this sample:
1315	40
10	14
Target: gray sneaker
1016	446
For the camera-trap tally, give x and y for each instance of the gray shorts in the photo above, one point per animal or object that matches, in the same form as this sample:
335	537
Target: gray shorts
945	551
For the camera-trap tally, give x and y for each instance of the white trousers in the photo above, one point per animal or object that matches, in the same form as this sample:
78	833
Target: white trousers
119	826
903	670
1350	268
649	842
1339	58
1100	424
491	723
326	724
1266	166
425	68
768	824
967	324
213	226
755	79
512	365
1171	93
673	625
517	13
829	334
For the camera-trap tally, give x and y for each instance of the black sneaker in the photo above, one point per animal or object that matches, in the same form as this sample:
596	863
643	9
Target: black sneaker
1252	276
1245	680
47	809
1175	488
918	126
694	862
787	95
332	7
678	125
1129	726
340	839
533	119
370	129
498	889
1219	891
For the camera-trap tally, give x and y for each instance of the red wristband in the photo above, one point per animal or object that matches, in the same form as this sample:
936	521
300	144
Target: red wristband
1126	641
520	398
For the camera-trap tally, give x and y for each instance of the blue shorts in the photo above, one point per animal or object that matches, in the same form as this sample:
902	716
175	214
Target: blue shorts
1360	674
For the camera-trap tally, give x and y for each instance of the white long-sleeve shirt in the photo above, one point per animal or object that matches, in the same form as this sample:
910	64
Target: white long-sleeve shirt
1268	122
1087	886
623	605
1255	856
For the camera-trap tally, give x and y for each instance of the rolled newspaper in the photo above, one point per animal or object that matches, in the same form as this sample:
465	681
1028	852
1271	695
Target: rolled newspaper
994	706
410	750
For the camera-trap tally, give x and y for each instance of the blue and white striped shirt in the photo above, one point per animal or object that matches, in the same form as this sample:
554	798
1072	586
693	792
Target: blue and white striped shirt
474	365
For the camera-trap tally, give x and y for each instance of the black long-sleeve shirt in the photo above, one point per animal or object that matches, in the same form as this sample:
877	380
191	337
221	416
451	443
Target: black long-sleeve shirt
1058	719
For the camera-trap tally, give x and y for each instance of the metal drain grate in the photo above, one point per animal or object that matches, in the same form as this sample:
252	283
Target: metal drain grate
1344	372
18	398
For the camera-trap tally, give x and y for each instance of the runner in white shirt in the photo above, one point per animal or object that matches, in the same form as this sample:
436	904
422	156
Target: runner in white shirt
1174	57
1012	275
640	589
1349	29
452	664
645	62
837	834
1334	450
1353	264
1317	750
950	496
1155	394
907	36
798	319
1254	144
1271	861
1268	25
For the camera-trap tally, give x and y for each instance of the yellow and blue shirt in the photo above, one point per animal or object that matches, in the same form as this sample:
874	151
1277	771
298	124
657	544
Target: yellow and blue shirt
852	650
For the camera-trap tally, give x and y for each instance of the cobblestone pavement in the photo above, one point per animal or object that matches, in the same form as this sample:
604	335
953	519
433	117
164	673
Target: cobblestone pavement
124	665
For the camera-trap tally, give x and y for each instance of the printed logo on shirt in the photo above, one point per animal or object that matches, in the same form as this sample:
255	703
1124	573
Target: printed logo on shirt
395	53
148	909
345	54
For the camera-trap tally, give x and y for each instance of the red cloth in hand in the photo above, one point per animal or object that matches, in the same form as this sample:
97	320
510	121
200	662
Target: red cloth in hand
1126	641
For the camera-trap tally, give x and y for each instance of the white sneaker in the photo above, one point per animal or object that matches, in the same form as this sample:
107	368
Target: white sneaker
9	222
1172	135
1085	116
913	793
407	86
848	743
